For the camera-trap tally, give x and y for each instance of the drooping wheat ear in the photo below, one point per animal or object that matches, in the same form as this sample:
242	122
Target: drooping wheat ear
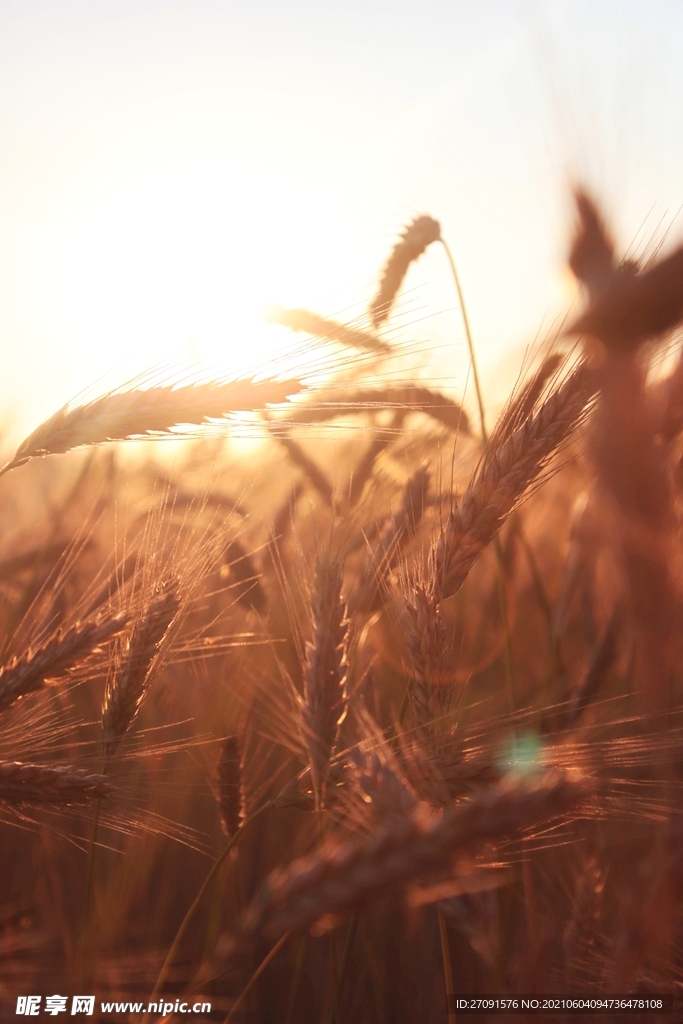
55	656
330	405
230	803
123	415
36	784
126	689
342	874
417	236
425	633
503	476
325	671
320	327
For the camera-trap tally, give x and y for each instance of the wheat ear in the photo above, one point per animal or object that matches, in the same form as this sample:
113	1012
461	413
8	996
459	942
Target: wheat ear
126	689
230	803
55	656
320	327
425	633
343	874
416	237
36	784
325	671
501	480
123	415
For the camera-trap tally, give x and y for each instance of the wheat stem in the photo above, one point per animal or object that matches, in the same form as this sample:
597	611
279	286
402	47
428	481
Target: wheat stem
257	974
215	868
447	968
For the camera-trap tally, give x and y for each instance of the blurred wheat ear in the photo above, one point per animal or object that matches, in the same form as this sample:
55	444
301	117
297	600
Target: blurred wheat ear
320	327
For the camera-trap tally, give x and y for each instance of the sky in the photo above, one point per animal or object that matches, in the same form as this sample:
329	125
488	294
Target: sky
169	169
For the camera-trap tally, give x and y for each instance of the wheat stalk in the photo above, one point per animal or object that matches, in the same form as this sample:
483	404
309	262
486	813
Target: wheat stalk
126	689
416	237
504	475
55	656
123	415
325	671
35	784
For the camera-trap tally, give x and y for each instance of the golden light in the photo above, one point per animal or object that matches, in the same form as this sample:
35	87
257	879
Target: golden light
171	259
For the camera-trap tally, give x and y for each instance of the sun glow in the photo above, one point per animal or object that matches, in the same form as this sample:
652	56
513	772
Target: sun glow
175	260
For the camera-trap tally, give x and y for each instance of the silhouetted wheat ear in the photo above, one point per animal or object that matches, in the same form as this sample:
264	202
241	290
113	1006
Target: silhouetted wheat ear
592	253
342	874
124	415
55	656
502	478
229	793
628	306
325	671
417	236
321	327
39	784
128	686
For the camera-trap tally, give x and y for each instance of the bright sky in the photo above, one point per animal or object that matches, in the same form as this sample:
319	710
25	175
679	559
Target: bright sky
168	169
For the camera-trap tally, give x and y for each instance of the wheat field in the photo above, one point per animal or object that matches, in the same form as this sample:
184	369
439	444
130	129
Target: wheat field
377	713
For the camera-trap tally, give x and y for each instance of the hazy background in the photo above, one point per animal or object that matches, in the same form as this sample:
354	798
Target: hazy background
167	169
